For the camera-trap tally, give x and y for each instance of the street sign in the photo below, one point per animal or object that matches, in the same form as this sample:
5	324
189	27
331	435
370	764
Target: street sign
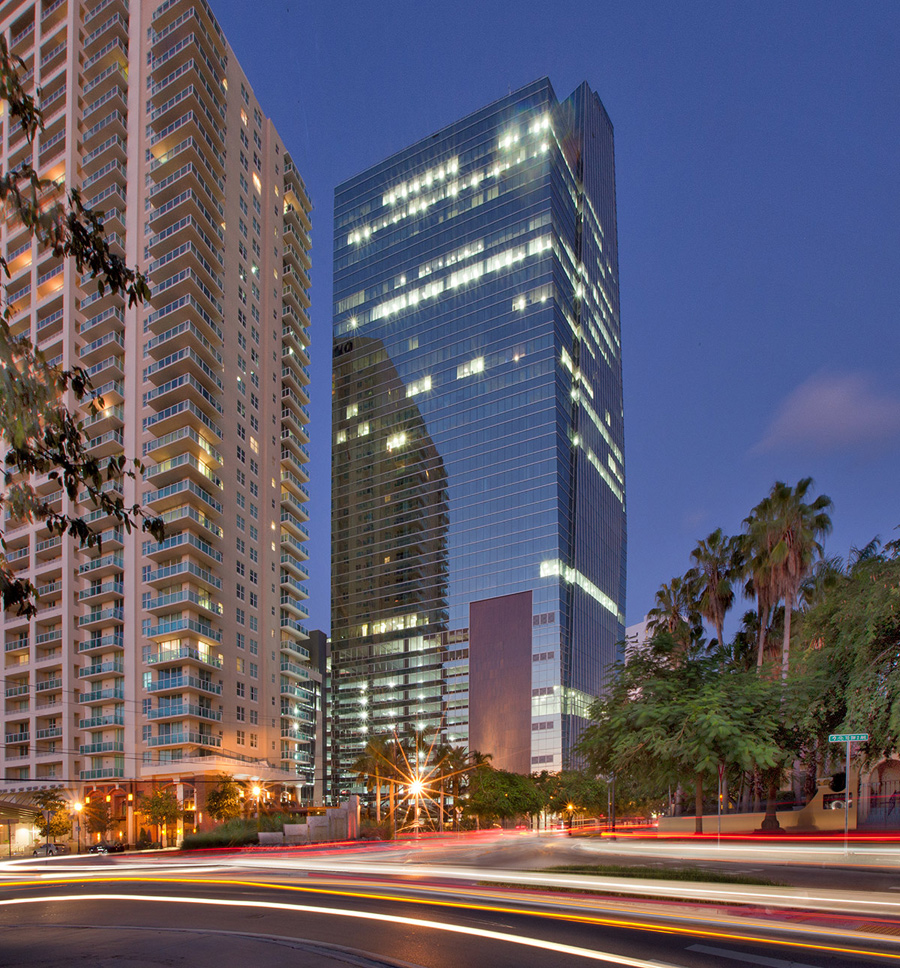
847	738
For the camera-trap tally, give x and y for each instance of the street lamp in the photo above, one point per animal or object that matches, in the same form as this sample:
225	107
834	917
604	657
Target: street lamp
257	791
78	807
571	808
415	790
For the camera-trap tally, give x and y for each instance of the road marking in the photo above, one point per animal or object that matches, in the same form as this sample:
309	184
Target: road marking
704	949
566	949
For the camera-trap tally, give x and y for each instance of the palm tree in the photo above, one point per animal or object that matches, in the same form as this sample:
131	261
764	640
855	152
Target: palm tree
674	610
798	526
758	570
717	560
372	767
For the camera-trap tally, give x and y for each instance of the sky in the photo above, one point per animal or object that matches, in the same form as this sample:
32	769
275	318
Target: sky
757	161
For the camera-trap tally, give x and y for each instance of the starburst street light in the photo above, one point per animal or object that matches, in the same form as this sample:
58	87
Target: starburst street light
78	807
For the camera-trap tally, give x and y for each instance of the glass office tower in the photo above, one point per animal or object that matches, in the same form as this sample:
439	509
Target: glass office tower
478	478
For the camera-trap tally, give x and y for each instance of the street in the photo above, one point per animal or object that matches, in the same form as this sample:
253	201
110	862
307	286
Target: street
404	904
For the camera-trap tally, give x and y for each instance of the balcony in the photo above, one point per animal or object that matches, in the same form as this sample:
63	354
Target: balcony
94	749
294	605
294	504
293	485
102	566
185	540
110	589
288	582
17	737
184	652
98	722
182	570
107	773
185	739
292	545
102	617
109	694
102	643
296	692
180	710
289	668
293	650
182	624
183	597
48	685
99	670
295	566
172	444
173	495
182	336
188	516
293	466
51	635
51	732
179	467
19	690
170	683
47	549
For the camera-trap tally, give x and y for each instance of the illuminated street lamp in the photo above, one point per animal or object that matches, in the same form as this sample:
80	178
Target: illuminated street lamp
257	791
570	807
416	787
78	807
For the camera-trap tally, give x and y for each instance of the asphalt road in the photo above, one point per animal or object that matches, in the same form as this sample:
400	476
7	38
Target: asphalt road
135	912
872	868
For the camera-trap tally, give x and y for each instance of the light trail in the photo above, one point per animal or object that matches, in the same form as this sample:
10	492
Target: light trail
482	933
577	918
777	897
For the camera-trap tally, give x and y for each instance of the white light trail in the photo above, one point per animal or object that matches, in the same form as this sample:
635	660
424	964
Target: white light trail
565	949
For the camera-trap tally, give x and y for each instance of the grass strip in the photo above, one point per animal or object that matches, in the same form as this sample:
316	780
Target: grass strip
662	874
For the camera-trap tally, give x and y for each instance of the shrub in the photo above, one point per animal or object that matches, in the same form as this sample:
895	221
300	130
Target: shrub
274	822
234	833
369	830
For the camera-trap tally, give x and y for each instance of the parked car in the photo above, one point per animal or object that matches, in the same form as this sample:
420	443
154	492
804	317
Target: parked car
111	847
50	850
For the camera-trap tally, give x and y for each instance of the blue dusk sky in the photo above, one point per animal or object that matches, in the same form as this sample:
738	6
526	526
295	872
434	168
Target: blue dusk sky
757	161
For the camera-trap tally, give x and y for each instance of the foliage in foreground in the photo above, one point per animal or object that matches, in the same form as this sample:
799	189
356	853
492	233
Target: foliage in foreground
684	706
38	431
233	833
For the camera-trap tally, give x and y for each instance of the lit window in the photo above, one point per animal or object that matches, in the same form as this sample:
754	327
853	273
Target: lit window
396	441
257	184
363	429
352	410
470	368
419	386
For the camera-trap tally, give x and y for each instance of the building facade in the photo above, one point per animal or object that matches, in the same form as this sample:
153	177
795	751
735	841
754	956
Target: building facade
172	662
478	549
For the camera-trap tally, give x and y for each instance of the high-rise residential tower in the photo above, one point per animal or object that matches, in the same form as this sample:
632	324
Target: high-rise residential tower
478	550
165	663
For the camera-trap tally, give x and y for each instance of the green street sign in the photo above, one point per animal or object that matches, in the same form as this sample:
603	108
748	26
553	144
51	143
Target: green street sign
848	737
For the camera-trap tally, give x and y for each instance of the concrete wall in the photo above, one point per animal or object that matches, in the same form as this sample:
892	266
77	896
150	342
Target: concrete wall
809	819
